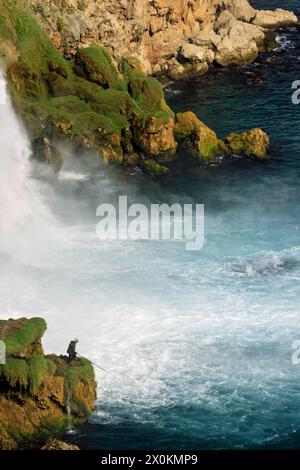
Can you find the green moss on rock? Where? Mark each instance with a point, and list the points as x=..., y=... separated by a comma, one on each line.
x=40, y=368
x=254, y=143
x=79, y=378
x=201, y=141
x=15, y=372
x=29, y=334
x=153, y=168
x=95, y=64
x=130, y=66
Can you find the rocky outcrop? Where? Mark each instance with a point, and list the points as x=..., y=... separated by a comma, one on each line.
x=274, y=19
x=204, y=146
x=253, y=143
x=40, y=396
x=201, y=141
x=178, y=38
x=117, y=112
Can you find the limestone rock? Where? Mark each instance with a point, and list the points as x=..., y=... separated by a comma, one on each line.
x=253, y=143
x=275, y=19
x=240, y=43
x=240, y=9
x=155, y=137
x=153, y=31
x=195, y=54
x=207, y=38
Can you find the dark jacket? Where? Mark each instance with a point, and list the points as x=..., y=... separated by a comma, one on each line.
x=72, y=349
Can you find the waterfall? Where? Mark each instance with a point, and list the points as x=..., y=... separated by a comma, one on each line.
x=24, y=219
x=70, y=428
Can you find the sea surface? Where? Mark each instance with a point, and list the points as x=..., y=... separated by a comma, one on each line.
x=200, y=343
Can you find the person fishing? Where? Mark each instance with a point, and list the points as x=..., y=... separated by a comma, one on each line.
x=71, y=351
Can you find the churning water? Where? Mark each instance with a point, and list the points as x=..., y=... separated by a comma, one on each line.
x=199, y=343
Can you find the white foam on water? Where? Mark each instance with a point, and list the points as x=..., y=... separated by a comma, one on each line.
x=284, y=43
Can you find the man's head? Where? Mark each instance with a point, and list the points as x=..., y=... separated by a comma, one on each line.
x=76, y=340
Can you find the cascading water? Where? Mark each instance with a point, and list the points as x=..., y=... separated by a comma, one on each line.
x=24, y=219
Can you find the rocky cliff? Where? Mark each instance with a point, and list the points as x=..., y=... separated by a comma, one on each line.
x=40, y=396
x=114, y=110
x=177, y=38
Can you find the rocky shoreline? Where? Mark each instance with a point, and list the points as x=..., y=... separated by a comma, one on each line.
x=117, y=112
x=174, y=38
x=41, y=396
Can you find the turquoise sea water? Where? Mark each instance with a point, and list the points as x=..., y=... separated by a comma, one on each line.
x=200, y=343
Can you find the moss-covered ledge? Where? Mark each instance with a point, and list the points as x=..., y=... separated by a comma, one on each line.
x=40, y=396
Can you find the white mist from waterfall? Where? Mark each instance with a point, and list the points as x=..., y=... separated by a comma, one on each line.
x=24, y=221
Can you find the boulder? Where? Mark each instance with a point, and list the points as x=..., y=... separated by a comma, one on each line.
x=240, y=44
x=195, y=54
x=274, y=19
x=155, y=136
x=202, y=142
x=207, y=38
x=240, y=9
x=153, y=168
x=252, y=143
x=223, y=22
x=176, y=71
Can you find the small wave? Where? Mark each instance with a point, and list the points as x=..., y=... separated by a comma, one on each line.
x=172, y=91
x=267, y=263
x=284, y=43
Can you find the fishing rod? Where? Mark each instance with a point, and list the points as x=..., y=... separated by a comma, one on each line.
x=99, y=367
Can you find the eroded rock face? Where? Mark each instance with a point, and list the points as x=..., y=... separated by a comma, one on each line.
x=159, y=32
x=40, y=387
